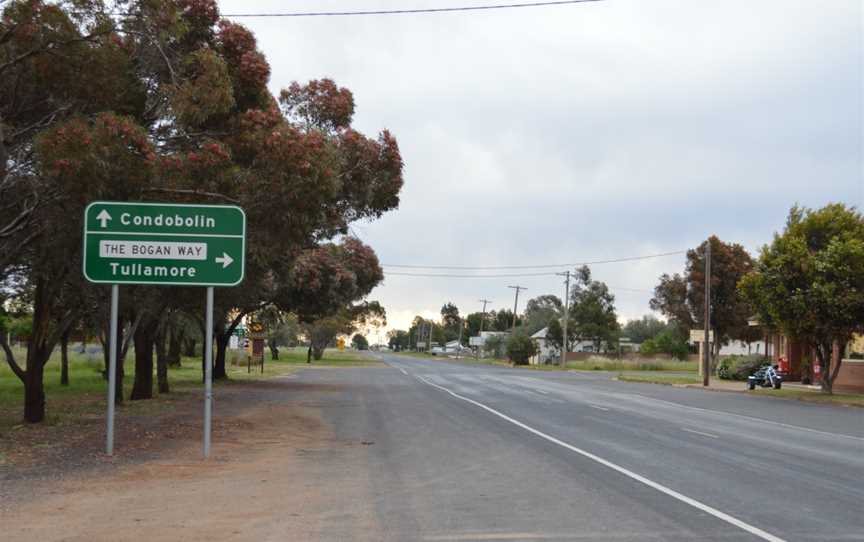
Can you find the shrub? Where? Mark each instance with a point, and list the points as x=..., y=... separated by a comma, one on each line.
x=520, y=348
x=739, y=367
x=666, y=342
x=494, y=345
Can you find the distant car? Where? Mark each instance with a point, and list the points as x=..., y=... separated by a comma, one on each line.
x=766, y=377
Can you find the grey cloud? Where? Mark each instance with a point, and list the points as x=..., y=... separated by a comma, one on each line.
x=612, y=129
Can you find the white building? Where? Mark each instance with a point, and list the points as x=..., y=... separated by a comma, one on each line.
x=547, y=353
x=741, y=348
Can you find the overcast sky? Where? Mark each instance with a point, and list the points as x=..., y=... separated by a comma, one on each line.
x=585, y=132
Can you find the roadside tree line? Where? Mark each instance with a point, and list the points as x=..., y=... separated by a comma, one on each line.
x=167, y=101
x=807, y=283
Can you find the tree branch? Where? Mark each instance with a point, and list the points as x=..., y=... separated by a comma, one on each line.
x=192, y=193
x=49, y=45
x=10, y=357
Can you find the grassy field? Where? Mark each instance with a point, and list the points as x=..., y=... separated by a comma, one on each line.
x=660, y=378
x=86, y=393
x=846, y=399
x=593, y=364
x=602, y=364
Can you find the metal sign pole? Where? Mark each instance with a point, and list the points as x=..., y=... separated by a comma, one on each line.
x=112, y=368
x=208, y=373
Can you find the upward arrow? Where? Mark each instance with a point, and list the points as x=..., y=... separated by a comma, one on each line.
x=103, y=217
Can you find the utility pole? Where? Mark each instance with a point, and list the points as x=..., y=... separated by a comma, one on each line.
x=482, y=319
x=566, y=315
x=461, y=326
x=706, y=362
x=516, y=303
x=429, y=342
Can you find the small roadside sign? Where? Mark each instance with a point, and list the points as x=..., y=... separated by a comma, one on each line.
x=698, y=335
x=163, y=243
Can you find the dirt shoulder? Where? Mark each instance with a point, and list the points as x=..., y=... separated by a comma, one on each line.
x=272, y=456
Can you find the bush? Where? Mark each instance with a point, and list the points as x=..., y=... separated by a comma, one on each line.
x=494, y=345
x=666, y=342
x=520, y=348
x=359, y=342
x=739, y=367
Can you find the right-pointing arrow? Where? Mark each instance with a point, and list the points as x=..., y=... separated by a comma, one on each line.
x=225, y=260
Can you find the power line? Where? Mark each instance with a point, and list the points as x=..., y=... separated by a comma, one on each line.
x=459, y=276
x=410, y=11
x=542, y=266
x=501, y=276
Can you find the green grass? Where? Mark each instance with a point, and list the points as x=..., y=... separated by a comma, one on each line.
x=594, y=364
x=332, y=358
x=659, y=378
x=847, y=399
x=86, y=393
x=601, y=364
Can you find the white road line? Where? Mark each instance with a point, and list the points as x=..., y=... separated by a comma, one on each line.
x=598, y=407
x=751, y=418
x=404, y=372
x=709, y=435
x=755, y=531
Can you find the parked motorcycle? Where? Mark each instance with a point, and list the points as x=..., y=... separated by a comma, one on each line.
x=766, y=377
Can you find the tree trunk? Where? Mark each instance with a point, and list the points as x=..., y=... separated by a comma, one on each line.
x=64, y=359
x=318, y=352
x=103, y=340
x=189, y=347
x=42, y=342
x=837, y=352
x=142, y=387
x=274, y=349
x=34, y=394
x=162, y=362
x=824, y=360
x=175, y=345
x=222, y=341
x=309, y=354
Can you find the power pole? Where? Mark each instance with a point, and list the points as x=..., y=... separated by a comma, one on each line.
x=706, y=362
x=516, y=303
x=566, y=315
x=482, y=319
x=461, y=326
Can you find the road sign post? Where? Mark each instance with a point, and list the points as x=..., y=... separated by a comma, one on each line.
x=163, y=244
x=112, y=368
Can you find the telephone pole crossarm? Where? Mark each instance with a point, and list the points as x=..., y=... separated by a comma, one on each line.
x=516, y=303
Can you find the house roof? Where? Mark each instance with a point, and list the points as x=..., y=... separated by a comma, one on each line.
x=541, y=334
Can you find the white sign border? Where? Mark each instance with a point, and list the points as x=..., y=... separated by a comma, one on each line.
x=156, y=204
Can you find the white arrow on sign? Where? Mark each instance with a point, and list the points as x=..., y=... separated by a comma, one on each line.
x=103, y=217
x=225, y=260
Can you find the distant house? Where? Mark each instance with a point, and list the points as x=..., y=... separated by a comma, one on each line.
x=742, y=348
x=547, y=353
x=484, y=335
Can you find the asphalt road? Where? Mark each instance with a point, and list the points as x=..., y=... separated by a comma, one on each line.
x=472, y=452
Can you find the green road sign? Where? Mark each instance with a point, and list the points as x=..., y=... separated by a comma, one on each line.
x=163, y=243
